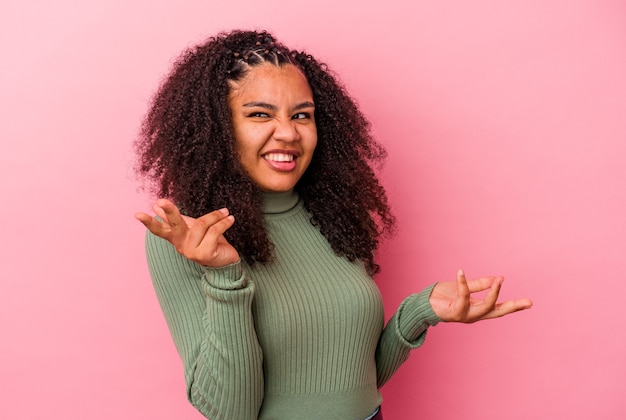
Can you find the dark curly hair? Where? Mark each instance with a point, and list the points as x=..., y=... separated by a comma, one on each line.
x=187, y=152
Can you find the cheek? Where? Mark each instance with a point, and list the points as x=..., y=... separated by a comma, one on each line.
x=245, y=155
x=312, y=145
x=251, y=136
x=313, y=141
x=248, y=149
x=243, y=150
x=244, y=142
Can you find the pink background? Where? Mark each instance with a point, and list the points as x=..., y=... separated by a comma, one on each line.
x=506, y=129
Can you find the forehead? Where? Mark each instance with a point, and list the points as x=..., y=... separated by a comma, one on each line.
x=269, y=82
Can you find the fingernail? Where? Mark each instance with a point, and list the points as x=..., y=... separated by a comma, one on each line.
x=461, y=273
x=224, y=211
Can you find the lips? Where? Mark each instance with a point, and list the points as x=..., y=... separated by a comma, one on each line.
x=279, y=157
x=281, y=160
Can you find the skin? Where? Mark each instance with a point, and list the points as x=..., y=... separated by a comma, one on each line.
x=452, y=301
x=272, y=110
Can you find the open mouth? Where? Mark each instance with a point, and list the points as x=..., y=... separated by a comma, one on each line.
x=279, y=157
x=282, y=162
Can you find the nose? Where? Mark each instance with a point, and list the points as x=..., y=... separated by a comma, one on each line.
x=286, y=130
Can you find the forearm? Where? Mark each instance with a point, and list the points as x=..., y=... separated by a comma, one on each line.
x=209, y=315
x=405, y=331
x=227, y=381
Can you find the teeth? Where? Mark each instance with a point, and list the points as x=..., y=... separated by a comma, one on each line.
x=278, y=157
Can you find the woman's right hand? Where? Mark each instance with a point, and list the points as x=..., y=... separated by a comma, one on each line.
x=200, y=240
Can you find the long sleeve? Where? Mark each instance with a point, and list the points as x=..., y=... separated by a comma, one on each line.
x=405, y=331
x=296, y=336
x=209, y=314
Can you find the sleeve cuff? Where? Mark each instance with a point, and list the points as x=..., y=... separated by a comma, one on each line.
x=229, y=277
x=414, y=316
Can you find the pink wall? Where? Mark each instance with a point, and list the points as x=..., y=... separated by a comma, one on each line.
x=506, y=129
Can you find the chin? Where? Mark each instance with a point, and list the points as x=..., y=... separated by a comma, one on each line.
x=278, y=184
x=276, y=189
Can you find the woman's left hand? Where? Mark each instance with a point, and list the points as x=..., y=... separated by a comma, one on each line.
x=453, y=302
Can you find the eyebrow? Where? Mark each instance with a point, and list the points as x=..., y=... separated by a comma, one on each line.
x=271, y=107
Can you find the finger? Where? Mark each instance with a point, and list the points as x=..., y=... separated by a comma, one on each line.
x=159, y=212
x=217, y=230
x=188, y=220
x=143, y=217
x=204, y=228
x=509, y=307
x=480, y=284
x=492, y=296
x=153, y=225
x=462, y=301
x=461, y=285
x=480, y=309
x=171, y=214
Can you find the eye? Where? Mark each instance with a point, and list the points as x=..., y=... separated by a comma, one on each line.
x=301, y=116
x=258, y=115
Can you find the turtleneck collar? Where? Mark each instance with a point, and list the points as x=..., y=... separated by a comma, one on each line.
x=280, y=202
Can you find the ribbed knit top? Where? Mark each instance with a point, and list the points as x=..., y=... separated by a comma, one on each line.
x=301, y=337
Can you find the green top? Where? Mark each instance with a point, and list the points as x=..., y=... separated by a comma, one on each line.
x=301, y=337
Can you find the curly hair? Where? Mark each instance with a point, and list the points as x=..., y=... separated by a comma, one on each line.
x=187, y=151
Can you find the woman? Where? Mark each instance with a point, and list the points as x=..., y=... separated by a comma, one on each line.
x=264, y=265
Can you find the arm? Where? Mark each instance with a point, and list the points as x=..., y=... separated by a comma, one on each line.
x=208, y=311
x=449, y=302
x=405, y=331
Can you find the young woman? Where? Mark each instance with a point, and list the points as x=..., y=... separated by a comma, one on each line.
x=264, y=264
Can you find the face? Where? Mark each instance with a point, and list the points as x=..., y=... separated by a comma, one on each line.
x=272, y=110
